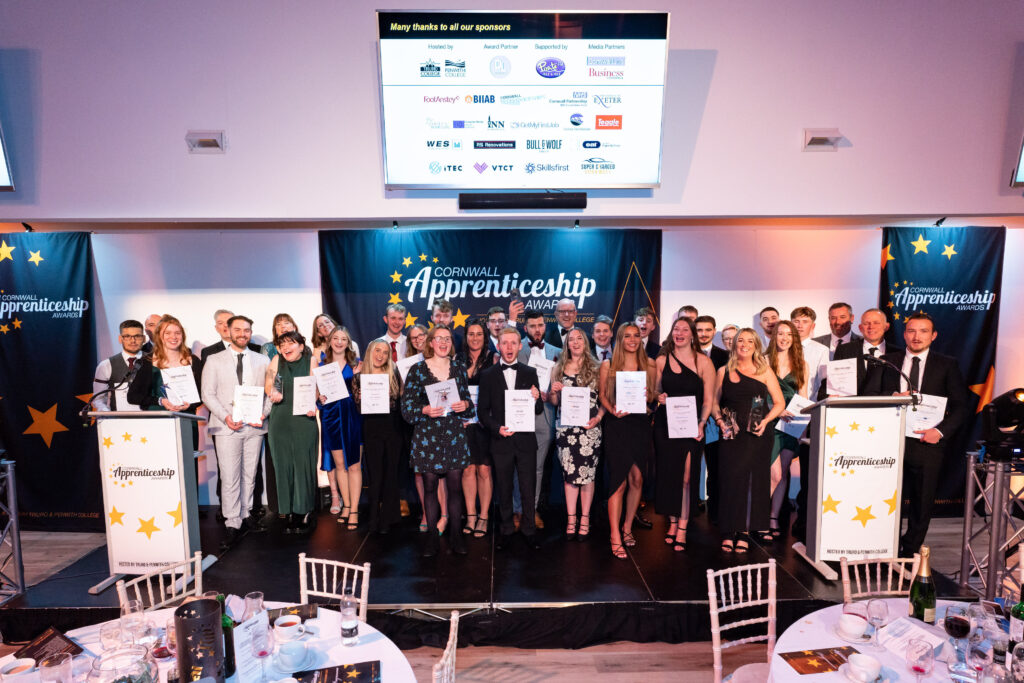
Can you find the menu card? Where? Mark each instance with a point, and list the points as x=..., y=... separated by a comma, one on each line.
x=897, y=634
x=363, y=672
x=49, y=642
x=818, y=661
x=247, y=667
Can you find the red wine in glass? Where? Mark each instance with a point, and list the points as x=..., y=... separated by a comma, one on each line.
x=957, y=626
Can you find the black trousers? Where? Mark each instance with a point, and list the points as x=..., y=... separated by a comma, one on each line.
x=510, y=462
x=922, y=464
x=382, y=448
x=800, y=525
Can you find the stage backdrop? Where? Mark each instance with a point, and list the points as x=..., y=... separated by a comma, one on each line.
x=611, y=272
x=47, y=358
x=955, y=276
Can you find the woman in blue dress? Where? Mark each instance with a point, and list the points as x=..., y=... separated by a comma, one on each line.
x=342, y=428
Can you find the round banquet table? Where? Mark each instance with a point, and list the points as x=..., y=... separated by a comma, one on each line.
x=326, y=645
x=817, y=630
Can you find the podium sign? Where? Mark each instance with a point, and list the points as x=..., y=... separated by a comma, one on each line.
x=148, y=489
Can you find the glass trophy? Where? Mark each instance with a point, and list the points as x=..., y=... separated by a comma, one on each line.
x=756, y=413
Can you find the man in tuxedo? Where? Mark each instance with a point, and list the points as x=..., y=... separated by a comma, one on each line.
x=728, y=334
x=565, y=320
x=873, y=325
x=151, y=324
x=931, y=373
x=545, y=420
x=238, y=444
x=644, y=319
x=441, y=314
x=512, y=452
x=840, y=320
x=394, y=318
x=768, y=318
x=220, y=323
x=603, y=338
x=705, y=326
x=496, y=322
x=816, y=358
x=112, y=372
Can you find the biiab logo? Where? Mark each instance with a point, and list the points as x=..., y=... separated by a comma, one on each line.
x=551, y=67
x=479, y=99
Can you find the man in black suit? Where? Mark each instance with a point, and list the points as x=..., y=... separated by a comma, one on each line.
x=840, y=321
x=220, y=323
x=151, y=323
x=603, y=338
x=565, y=320
x=705, y=326
x=873, y=325
x=511, y=451
x=937, y=375
x=644, y=319
x=496, y=322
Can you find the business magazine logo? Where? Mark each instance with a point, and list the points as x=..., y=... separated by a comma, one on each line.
x=532, y=168
x=604, y=60
x=455, y=68
x=597, y=166
x=479, y=99
x=608, y=122
x=607, y=101
x=430, y=69
x=500, y=66
x=551, y=67
x=494, y=144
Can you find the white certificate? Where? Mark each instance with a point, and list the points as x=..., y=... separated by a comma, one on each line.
x=631, y=392
x=926, y=414
x=248, y=404
x=303, y=395
x=519, y=415
x=575, y=405
x=543, y=367
x=406, y=363
x=681, y=412
x=474, y=393
x=841, y=377
x=180, y=385
x=798, y=424
x=374, y=394
x=331, y=382
x=443, y=395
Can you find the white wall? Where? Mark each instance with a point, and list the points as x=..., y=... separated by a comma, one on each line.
x=96, y=98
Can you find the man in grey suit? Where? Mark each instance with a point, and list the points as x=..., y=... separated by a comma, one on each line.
x=537, y=346
x=238, y=444
x=840, y=320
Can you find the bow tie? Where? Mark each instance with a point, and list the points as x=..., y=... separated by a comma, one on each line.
x=506, y=366
x=537, y=344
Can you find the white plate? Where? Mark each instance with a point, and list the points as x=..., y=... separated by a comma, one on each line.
x=307, y=664
x=882, y=676
x=850, y=639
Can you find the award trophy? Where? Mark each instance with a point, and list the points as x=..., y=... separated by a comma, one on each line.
x=756, y=413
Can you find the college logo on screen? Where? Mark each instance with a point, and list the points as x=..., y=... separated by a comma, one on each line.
x=429, y=69
x=455, y=68
x=607, y=101
x=551, y=67
x=608, y=122
x=500, y=66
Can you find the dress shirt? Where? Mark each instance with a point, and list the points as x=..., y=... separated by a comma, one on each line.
x=103, y=371
x=908, y=361
x=494, y=341
x=400, y=343
x=562, y=331
x=835, y=341
x=816, y=355
x=880, y=348
x=706, y=350
x=599, y=351
x=509, y=371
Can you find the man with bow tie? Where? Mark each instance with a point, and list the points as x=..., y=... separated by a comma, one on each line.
x=565, y=320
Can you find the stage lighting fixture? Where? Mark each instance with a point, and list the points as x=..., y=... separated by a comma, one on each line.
x=822, y=139
x=1003, y=426
x=205, y=142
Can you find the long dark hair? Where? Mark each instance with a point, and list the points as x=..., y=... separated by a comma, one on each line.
x=484, y=359
x=669, y=347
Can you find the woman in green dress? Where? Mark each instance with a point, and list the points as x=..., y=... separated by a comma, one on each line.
x=293, y=438
x=786, y=357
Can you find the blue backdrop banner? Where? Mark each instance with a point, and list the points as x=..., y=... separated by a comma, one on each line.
x=954, y=275
x=47, y=357
x=610, y=272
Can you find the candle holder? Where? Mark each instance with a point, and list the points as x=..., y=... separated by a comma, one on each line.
x=200, y=641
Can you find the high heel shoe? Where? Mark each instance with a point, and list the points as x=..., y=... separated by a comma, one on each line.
x=679, y=545
x=670, y=535
x=442, y=524
x=570, y=528
x=353, y=521
x=584, y=531
x=470, y=524
x=335, y=505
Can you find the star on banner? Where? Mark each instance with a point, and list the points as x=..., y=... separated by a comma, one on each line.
x=830, y=505
x=176, y=514
x=108, y=442
x=863, y=515
x=921, y=244
x=891, y=502
x=871, y=430
x=35, y=258
x=394, y=299
x=44, y=423
x=16, y=323
x=407, y=261
x=985, y=389
x=949, y=252
x=410, y=319
x=396, y=276
x=854, y=427
x=5, y=329
x=831, y=431
x=5, y=251
x=146, y=526
x=435, y=259
x=143, y=440
x=115, y=516
x=886, y=256
x=423, y=257
x=126, y=436
x=459, y=319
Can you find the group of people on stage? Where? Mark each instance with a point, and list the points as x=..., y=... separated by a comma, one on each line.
x=446, y=417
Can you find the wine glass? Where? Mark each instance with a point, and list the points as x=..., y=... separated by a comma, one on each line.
x=56, y=669
x=979, y=658
x=920, y=657
x=262, y=646
x=1015, y=663
x=878, y=612
x=957, y=626
x=168, y=648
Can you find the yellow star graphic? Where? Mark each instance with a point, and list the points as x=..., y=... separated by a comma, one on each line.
x=831, y=431
x=126, y=436
x=423, y=257
x=5, y=251
x=395, y=299
x=410, y=319
x=435, y=259
x=143, y=440
x=115, y=516
x=352, y=674
x=896, y=316
x=460, y=319
x=16, y=323
x=891, y=292
x=871, y=430
x=108, y=442
x=34, y=258
x=949, y=252
x=890, y=304
x=854, y=427
x=984, y=390
x=886, y=256
x=146, y=526
x=176, y=514
x=813, y=662
x=4, y=329
x=830, y=505
x=396, y=276
x=407, y=261
x=891, y=502
x=45, y=423
x=863, y=515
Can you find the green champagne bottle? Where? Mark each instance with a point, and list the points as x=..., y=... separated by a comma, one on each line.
x=922, y=590
x=1016, y=623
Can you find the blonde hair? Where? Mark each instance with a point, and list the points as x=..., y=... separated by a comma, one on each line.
x=760, y=362
x=159, y=352
x=618, y=360
x=350, y=352
x=588, y=371
x=388, y=369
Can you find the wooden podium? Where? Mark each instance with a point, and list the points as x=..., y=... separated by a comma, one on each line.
x=149, y=490
x=855, y=480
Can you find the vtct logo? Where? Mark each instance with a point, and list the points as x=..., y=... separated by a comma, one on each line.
x=610, y=122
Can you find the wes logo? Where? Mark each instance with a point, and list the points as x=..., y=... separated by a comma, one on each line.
x=608, y=122
x=444, y=144
x=479, y=99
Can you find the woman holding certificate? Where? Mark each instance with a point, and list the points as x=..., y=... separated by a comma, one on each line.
x=686, y=388
x=377, y=389
x=416, y=339
x=626, y=388
x=169, y=378
x=578, y=434
x=741, y=411
x=293, y=433
x=476, y=478
x=436, y=401
x=786, y=357
x=323, y=325
x=341, y=424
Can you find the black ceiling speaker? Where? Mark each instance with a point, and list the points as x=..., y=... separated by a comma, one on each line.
x=523, y=200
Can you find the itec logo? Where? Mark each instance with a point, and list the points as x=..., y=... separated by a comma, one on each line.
x=479, y=99
x=436, y=167
x=551, y=67
x=613, y=122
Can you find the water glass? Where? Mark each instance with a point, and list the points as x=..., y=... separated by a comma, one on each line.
x=958, y=627
x=114, y=636
x=979, y=658
x=253, y=605
x=920, y=657
x=878, y=612
x=56, y=669
x=1016, y=663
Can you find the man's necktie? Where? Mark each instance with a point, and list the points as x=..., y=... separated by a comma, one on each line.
x=238, y=368
x=873, y=351
x=604, y=354
x=915, y=374
x=131, y=364
x=394, y=351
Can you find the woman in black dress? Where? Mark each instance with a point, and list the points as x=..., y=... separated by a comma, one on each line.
x=476, y=477
x=626, y=436
x=743, y=386
x=680, y=370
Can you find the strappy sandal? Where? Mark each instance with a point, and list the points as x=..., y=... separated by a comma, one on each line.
x=742, y=545
x=670, y=535
x=679, y=545
x=584, y=531
x=765, y=536
x=628, y=539
x=353, y=525
x=727, y=546
x=773, y=527
x=345, y=512
x=481, y=527
x=335, y=505
x=570, y=528
x=442, y=524
x=470, y=524
x=618, y=552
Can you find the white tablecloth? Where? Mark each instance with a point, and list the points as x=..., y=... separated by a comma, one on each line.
x=817, y=630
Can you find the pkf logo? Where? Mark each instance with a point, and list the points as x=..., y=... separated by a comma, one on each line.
x=500, y=66
x=608, y=122
x=551, y=67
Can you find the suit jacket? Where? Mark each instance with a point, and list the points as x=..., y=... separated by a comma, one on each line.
x=218, y=390
x=869, y=377
x=653, y=347
x=941, y=377
x=553, y=336
x=719, y=356
x=491, y=408
x=826, y=340
x=546, y=418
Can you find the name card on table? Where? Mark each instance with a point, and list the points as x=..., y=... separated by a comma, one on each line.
x=49, y=642
x=362, y=672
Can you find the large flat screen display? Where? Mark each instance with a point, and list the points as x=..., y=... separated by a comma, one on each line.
x=6, y=183
x=1018, y=173
x=510, y=100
